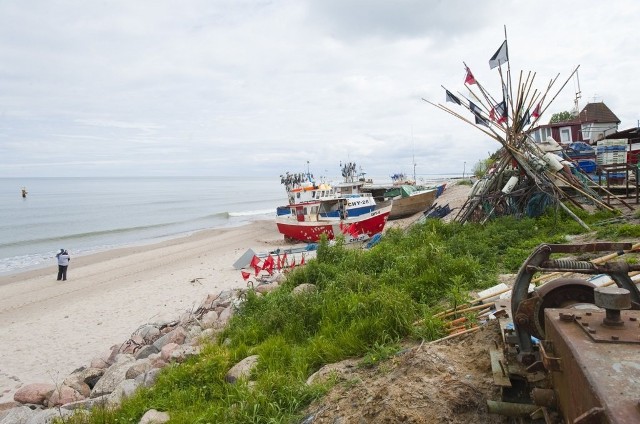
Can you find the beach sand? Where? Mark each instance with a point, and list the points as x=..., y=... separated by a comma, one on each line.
x=49, y=328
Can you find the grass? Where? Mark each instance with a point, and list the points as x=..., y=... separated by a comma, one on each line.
x=365, y=305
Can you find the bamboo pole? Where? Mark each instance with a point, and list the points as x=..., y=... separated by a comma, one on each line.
x=471, y=330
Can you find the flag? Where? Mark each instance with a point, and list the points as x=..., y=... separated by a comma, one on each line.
x=268, y=264
x=245, y=275
x=499, y=57
x=499, y=112
x=481, y=121
x=469, y=78
x=279, y=262
x=451, y=98
x=536, y=111
x=526, y=119
x=254, y=261
x=474, y=108
x=302, y=259
x=258, y=269
x=284, y=260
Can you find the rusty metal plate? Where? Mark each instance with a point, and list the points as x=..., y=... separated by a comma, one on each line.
x=591, y=323
x=595, y=376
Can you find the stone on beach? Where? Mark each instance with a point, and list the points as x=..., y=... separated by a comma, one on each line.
x=305, y=288
x=167, y=350
x=146, y=351
x=177, y=336
x=62, y=395
x=113, y=376
x=18, y=415
x=148, y=379
x=139, y=367
x=36, y=393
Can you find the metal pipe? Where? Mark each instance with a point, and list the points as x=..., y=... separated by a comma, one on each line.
x=509, y=409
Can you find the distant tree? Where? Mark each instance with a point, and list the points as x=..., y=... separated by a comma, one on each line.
x=561, y=117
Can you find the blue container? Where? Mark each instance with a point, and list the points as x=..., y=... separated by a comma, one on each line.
x=586, y=165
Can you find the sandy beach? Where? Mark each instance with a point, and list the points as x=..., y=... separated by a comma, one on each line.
x=49, y=328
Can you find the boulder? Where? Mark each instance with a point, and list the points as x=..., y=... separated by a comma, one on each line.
x=242, y=369
x=183, y=352
x=209, y=319
x=62, y=395
x=139, y=367
x=305, y=288
x=146, y=351
x=148, y=379
x=167, y=350
x=86, y=404
x=90, y=376
x=224, y=317
x=178, y=336
x=149, y=333
x=208, y=334
x=194, y=332
x=339, y=369
x=132, y=345
x=154, y=417
x=36, y=393
x=47, y=416
x=266, y=288
x=18, y=415
x=124, y=390
x=77, y=383
x=113, y=376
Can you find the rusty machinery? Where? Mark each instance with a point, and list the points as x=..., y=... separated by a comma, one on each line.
x=572, y=353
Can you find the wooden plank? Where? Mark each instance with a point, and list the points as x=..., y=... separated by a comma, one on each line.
x=499, y=368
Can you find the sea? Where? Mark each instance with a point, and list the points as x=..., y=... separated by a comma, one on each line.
x=88, y=215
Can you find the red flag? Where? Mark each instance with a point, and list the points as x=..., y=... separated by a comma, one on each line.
x=536, y=111
x=302, y=260
x=293, y=262
x=258, y=269
x=284, y=260
x=469, y=79
x=245, y=275
x=279, y=262
x=492, y=114
x=254, y=261
x=267, y=265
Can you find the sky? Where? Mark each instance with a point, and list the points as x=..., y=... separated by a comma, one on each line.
x=258, y=88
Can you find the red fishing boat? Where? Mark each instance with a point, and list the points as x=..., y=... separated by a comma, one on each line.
x=307, y=222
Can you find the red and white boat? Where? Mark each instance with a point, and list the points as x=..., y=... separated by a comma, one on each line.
x=308, y=221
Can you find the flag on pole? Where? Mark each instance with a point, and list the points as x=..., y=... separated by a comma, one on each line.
x=481, y=121
x=499, y=57
x=474, y=108
x=268, y=264
x=536, y=111
x=469, y=78
x=499, y=113
x=451, y=98
x=302, y=259
x=526, y=119
x=245, y=275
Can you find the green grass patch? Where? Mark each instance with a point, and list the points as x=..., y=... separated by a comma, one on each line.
x=367, y=303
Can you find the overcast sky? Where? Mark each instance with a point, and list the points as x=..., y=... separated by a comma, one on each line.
x=239, y=87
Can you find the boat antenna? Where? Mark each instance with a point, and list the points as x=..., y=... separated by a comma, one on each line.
x=413, y=153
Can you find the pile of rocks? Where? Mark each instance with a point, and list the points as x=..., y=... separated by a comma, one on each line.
x=120, y=371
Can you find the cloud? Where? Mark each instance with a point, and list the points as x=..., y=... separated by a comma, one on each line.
x=260, y=87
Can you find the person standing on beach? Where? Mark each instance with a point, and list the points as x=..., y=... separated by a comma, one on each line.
x=63, y=263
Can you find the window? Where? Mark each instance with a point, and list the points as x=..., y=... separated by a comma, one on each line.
x=565, y=135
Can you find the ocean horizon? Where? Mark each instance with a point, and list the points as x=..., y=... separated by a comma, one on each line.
x=86, y=215
x=91, y=214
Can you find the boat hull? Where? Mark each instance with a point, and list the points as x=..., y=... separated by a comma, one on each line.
x=406, y=206
x=310, y=231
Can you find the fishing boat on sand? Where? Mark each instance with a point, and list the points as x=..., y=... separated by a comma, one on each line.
x=409, y=200
x=307, y=222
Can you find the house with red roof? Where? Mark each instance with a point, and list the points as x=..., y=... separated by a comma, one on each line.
x=593, y=123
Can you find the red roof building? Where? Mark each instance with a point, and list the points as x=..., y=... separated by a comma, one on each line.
x=593, y=123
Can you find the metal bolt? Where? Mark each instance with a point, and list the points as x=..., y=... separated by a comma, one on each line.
x=566, y=317
x=615, y=338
